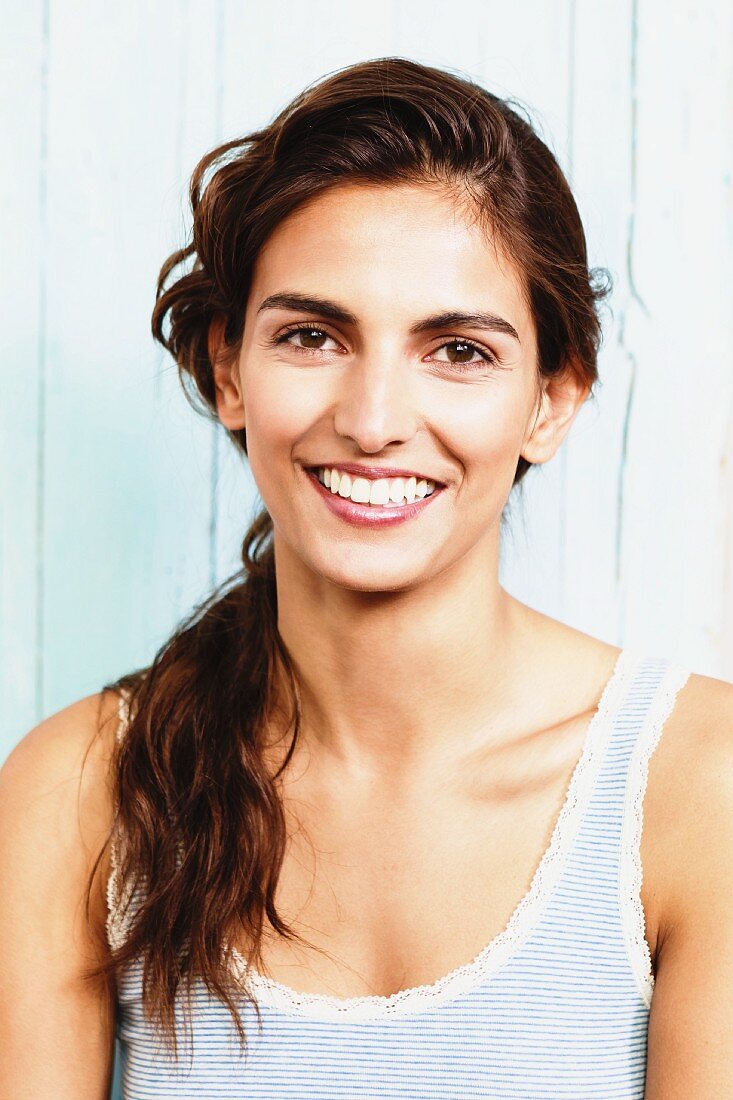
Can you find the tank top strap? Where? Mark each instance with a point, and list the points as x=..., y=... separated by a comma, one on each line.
x=120, y=898
x=123, y=714
x=636, y=723
x=606, y=856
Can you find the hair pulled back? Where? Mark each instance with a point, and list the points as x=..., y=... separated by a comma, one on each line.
x=202, y=822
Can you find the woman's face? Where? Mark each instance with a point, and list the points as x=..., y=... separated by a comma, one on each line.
x=383, y=330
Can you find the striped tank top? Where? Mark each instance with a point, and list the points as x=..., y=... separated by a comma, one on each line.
x=555, y=1006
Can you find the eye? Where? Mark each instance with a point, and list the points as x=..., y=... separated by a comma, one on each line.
x=311, y=338
x=464, y=352
x=464, y=355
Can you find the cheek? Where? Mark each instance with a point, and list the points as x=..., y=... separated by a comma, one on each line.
x=276, y=417
x=485, y=433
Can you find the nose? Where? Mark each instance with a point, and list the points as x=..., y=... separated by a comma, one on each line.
x=376, y=404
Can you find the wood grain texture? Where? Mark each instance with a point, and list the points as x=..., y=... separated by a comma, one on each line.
x=121, y=508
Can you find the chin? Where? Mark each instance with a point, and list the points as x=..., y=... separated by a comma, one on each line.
x=387, y=577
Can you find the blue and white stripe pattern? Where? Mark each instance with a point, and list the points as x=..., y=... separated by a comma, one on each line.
x=556, y=1006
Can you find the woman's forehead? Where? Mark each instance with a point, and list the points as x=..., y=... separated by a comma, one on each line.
x=399, y=243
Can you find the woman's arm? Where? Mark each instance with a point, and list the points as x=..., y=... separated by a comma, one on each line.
x=56, y=1031
x=690, y=1051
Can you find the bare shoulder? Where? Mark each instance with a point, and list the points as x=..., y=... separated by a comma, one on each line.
x=693, y=765
x=56, y=1026
x=690, y=784
x=56, y=784
x=61, y=747
x=690, y=848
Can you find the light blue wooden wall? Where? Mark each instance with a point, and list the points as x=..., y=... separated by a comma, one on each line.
x=121, y=508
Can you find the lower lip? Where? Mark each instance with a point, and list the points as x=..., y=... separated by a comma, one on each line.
x=370, y=515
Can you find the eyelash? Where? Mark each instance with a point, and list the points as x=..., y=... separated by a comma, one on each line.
x=487, y=356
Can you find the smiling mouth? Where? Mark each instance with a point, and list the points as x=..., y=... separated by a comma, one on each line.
x=378, y=492
x=376, y=516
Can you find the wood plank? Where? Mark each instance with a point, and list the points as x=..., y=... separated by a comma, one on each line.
x=23, y=361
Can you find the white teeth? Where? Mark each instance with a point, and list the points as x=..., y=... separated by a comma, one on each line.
x=360, y=491
x=397, y=489
x=382, y=491
x=379, y=492
x=345, y=485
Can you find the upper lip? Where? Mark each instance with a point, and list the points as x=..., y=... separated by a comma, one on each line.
x=372, y=471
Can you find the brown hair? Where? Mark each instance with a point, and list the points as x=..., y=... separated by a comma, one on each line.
x=190, y=775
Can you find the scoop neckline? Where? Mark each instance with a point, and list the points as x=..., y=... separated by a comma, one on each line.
x=460, y=980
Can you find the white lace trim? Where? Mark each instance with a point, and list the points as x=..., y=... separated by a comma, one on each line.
x=118, y=897
x=464, y=978
x=630, y=869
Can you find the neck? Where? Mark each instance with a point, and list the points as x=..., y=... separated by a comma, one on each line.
x=403, y=682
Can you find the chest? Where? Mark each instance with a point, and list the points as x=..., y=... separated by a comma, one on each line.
x=392, y=893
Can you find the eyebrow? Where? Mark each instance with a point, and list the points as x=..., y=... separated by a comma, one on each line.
x=491, y=322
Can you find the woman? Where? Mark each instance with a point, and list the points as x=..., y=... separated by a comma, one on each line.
x=367, y=825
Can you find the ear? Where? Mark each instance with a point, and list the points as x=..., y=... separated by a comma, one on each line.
x=561, y=399
x=225, y=366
